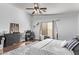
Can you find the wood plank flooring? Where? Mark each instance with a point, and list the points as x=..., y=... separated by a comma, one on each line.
x=14, y=46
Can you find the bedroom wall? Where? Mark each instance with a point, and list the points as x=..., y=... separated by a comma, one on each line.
x=67, y=24
x=78, y=26
x=10, y=14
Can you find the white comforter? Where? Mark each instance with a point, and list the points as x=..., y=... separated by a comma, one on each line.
x=45, y=47
x=53, y=46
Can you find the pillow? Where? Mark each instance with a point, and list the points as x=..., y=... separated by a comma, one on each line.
x=71, y=44
x=76, y=50
x=63, y=43
x=76, y=37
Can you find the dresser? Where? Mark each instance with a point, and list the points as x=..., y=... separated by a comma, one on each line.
x=11, y=39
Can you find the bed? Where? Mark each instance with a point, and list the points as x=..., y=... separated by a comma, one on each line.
x=45, y=47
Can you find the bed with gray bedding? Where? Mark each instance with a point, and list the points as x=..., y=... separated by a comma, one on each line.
x=45, y=47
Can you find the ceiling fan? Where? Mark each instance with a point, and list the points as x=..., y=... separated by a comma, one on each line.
x=36, y=9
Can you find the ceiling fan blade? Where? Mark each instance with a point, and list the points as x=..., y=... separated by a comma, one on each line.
x=30, y=8
x=33, y=12
x=43, y=8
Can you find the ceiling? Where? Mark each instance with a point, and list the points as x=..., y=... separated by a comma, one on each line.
x=52, y=8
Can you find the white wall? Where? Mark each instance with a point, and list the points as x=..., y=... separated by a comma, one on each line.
x=10, y=14
x=78, y=26
x=67, y=24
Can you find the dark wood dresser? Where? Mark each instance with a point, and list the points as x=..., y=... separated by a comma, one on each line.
x=10, y=39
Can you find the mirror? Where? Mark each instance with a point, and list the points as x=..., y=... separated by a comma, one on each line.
x=14, y=27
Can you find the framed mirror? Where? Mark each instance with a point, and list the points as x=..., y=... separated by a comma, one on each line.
x=14, y=27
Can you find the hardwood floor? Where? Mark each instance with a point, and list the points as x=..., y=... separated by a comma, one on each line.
x=14, y=46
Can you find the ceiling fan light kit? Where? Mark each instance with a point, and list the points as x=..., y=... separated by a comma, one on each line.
x=36, y=9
